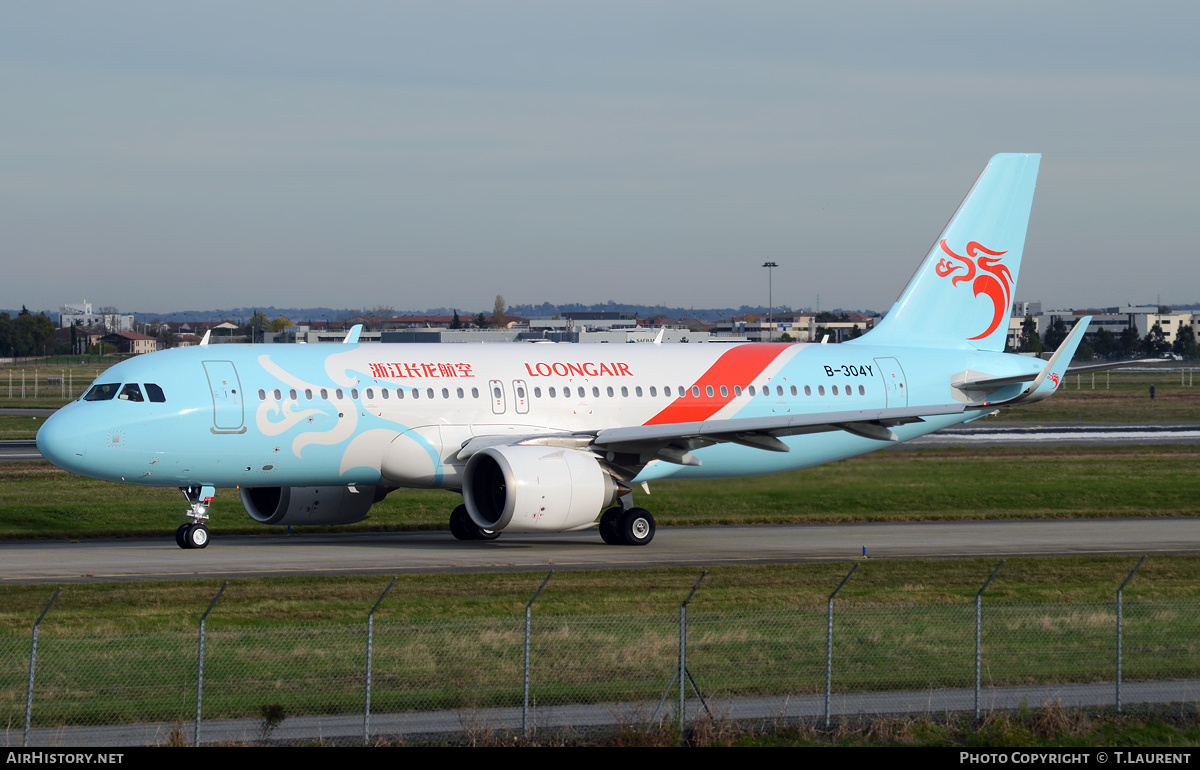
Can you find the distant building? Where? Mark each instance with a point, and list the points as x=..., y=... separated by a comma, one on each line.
x=800, y=327
x=130, y=342
x=82, y=315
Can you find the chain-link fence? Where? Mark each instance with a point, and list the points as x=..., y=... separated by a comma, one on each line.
x=439, y=676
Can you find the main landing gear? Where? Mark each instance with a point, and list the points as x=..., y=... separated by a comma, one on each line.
x=627, y=526
x=194, y=534
x=463, y=528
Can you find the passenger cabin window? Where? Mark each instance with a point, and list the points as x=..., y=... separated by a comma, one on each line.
x=156, y=395
x=262, y=395
x=131, y=392
x=278, y=395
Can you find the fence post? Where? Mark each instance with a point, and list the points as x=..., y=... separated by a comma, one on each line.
x=370, y=638
x=525, y=700
x=829, y=642
x=978, y=627
x=200, y=664
x=1120, y=610
x=32, y=666
x=683, y=672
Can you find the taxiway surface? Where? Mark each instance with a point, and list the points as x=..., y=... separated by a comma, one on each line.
x=409, y=552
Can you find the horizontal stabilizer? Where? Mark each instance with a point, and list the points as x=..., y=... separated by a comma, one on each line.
x=1048, y=379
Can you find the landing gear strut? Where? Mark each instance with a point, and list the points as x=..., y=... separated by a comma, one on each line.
x=194, y=534
x=633, y=526
x=463, y=528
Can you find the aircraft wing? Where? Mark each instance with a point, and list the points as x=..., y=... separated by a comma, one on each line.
x=673, y=442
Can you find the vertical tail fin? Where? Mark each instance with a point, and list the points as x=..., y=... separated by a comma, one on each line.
x=962, y=293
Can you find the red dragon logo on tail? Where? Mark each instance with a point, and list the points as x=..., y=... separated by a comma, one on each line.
x=990, y=278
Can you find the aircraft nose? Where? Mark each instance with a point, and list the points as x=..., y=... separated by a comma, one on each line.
x=61, y=440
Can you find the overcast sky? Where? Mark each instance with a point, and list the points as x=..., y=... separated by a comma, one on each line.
x=166, y=156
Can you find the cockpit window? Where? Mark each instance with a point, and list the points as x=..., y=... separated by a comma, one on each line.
x=131, y=392
x=155, y=393
x=104, y=392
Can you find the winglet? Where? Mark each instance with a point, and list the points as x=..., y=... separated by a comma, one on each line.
x=352, y=335
x=206, y=336
x=658, y=338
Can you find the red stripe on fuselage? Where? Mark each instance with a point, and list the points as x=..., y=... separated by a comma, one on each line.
x=736, y=366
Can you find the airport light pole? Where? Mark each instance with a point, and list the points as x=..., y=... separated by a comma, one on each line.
x=770, y=302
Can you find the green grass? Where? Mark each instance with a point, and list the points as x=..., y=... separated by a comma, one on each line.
x=90, y=609
x=16, y=427
x=119, y=652
x=39, y=500
x=1125, y=399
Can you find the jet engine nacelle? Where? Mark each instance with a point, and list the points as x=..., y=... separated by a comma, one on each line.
x=536, y=489
x=321, y=506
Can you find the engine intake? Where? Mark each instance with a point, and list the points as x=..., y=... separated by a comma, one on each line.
x=536, y=489
x=320, y=506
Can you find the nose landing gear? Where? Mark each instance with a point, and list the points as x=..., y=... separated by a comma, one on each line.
x=194, y=534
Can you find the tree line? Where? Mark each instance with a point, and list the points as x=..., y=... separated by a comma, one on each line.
x=28, y=334
x=1108, y=346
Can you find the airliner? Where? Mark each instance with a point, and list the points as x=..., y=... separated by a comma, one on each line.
x=557, y=437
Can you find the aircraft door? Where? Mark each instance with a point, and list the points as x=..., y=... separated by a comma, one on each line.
x=894, y=385
x=226, y=389
x=496, y=392
x=521, y=397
